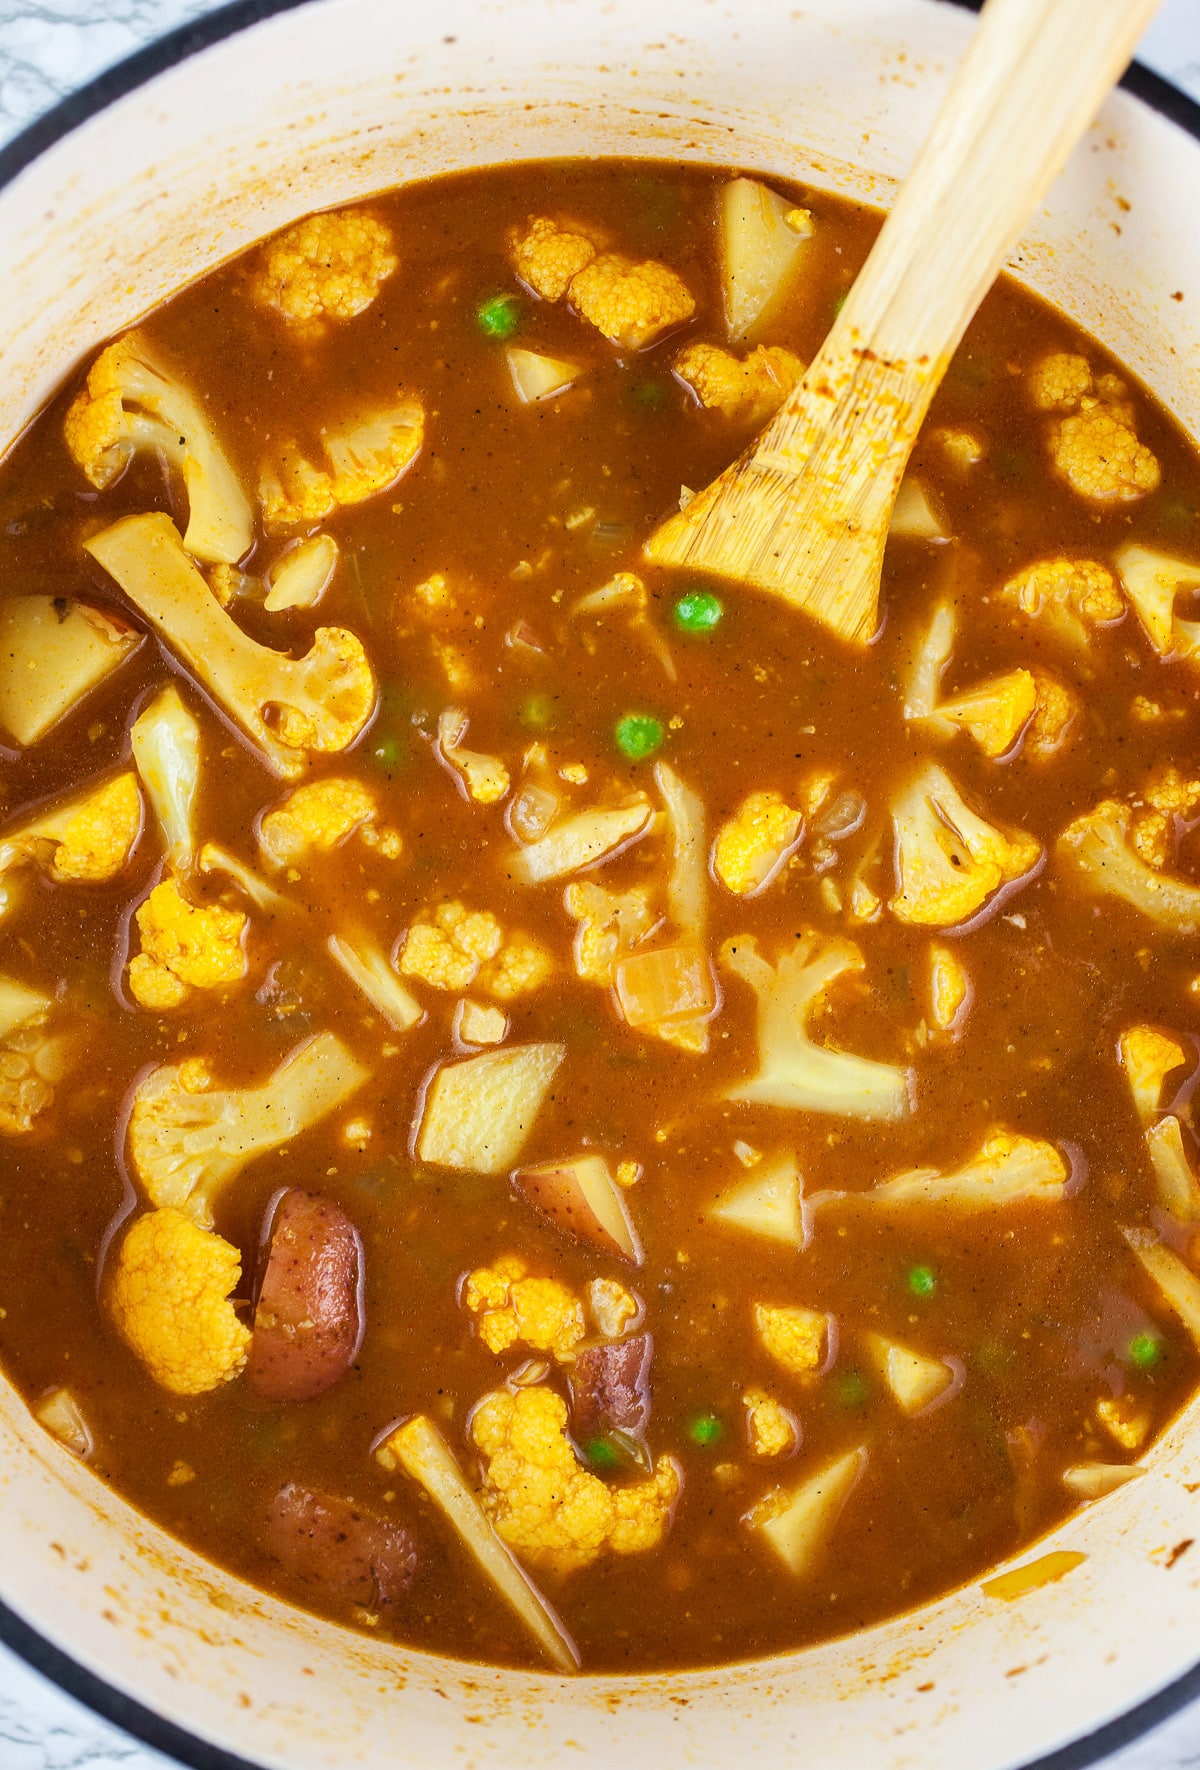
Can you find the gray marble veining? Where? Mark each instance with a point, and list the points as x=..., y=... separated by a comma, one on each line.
x=47, y=50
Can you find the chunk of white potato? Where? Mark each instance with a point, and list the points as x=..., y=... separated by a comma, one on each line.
x=418, y=1448
x=797, y=1523
x=1178, y=1192
x=54, y=651
x=767, y=1203
x=764, y=238
x=583, y=840
x=913, y=517
x=915, y=1380
x=19, y=1004
x=478, y=1113
x=1091, y=1481
x=480, y=1023
x=536, y=377
x=62, y=1416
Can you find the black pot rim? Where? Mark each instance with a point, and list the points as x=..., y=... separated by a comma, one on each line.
x=93, y=1692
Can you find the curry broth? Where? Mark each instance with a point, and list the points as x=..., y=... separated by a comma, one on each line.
x=1036, y=1305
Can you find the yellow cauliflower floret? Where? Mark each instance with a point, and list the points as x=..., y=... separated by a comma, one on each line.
x=753, y=842
x=327, y=267
x=522, y=965
x=169, y=1301
x=1093, y=444
x=1166, y=796
x=547, y=256
x=610, y=922
x=512, y=1309
x=544, y=1503
x=949, y=987
x=949, y=860
x=614, y=1309
x=995, y=712
x=630, y=303
x=1148, y=1057
x=88, y=839
x=770, y=1427
x=1058, y=382
x=315, y=818
x=32, y=1062
x=1071, y=597
x=365, y=457
x=795, y=1337
x=185, y=946
x=446, y=949
x=1053, y=717
x=961, y=447
x=1124, y=1420
x=751, y=389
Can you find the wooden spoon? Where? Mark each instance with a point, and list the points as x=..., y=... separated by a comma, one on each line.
x=804, y=512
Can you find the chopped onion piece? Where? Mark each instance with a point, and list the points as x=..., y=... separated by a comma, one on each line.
x=1177, y=1284
x=61, y=1415
x=302, y=574
x=419, y=1449
x=367, y=967
x=213, y=858
x=1091, y=1481
x=672, y=983
x=1178, y=1192
x=583, y=840
x=687, y=887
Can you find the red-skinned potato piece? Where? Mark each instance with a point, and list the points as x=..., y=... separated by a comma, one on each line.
x=336, y=1551
x=610, y=1387
x=308, y=1320
x=581, y=1197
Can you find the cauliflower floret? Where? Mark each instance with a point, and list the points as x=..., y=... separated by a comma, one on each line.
x=364, y=457
x=949, y=860
x=949, y=988
x=794, y=1337
x=754, y=843
x=184, y=947
x=751, y=389
x=86, y=839
x=544, y=1503
x=1153, y=581
x=1148, y=1057
x=132, y=403
x=485, y=778
x=453, y=947
x=314, y=819
x=169, y=1301
x=327, y=267
x=521, y=966
x=1070, y=597
x=614, y=1309
x=1167, y=797
x=547, y=257
x=962, y=448
x=512, y=1309
x=1098, y=846
x=994, y=713
x=1123, y=1420
x=1054, y=717
x=610, y=924
x=1093, y=444
x=770, y=1427
x=630, y=303
x=32, y=1058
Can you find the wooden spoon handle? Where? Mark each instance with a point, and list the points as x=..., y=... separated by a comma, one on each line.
x=1032, y=80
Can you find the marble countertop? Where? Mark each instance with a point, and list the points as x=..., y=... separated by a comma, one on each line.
x=47, y=49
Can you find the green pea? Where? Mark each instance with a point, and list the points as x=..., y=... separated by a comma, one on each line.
x=389, y=751
x=499, y=316
x=537, y=712
x=648, y=396
x=601, y=1453
x=1145, y=1350
x=921, y=1280
x=638, y=735
x=706, y=1430
x=698, y=611
x=853, y=1390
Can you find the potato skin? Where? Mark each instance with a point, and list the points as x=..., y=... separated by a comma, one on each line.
x=308, y=1322
x=336, y=1551
x=610, y=1387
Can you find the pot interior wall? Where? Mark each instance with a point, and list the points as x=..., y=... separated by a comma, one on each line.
x=186, y=171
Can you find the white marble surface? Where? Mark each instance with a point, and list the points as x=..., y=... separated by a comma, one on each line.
x=46, y=50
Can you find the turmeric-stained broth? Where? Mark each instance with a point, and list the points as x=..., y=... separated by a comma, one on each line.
x=964, y=1342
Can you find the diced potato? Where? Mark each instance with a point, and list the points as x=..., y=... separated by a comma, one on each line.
x=1178, y=1192
x=798, y=1523
x=582, y=841
x=764, y=239
x=53, y=651
x=478, y=1113
x=367, y=967
x=19, y=1004
x=582, y=1198
x=302, y=574
x=913, y=518
x=670, y=984
x=480, y=1023
x=62, y=1416
x=536, y=377
x=1178, y=1286
x=914, y=1380
x=419, y=1449
x=1091, y=1481
x=768, y=1203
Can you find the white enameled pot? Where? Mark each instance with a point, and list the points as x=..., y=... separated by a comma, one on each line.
x=185, y=156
